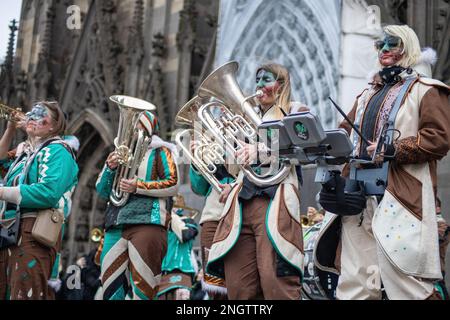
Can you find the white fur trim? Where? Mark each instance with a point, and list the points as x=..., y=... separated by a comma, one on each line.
x=210, y=288
x=72, y=142
x=177, y=225
x=157, y=142
x=427, y=59
x=55, y=284
x=428, y=56
x=425, y=63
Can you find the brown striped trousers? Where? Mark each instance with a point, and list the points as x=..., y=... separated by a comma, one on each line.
x=131, y=262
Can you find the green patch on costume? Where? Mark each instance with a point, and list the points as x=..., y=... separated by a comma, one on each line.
x=175, y=279
x=178, y=256
x=112, y=236
x=136, y=211
x=32, y=264
x=439, y=289
x=55, y=270
x=118, y=295
x=155, y=217
x=9, y=215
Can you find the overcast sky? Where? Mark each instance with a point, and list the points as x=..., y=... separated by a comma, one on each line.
x=9, y=9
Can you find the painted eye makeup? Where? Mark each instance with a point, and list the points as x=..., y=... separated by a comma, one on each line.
x=388, y=43
x=37, y=113
x=264, y=78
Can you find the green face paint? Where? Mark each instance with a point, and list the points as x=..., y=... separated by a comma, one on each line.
x=388, y=43
x=265, y=79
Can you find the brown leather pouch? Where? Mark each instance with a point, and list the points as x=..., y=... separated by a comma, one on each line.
x=47, y=227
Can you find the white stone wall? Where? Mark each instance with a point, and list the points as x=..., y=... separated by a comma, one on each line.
x=303, y=35
x=358, y=56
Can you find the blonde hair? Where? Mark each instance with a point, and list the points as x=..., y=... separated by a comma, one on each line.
x=410, y=43
x=283, y=99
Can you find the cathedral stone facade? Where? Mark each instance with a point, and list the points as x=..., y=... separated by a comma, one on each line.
x=160, y=50
x=155, y=50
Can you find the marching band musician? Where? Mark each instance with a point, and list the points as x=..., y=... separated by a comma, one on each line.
x=135, y=241
x=395, y=241
x=179, y=265
x=42, y=175
x=258, y=244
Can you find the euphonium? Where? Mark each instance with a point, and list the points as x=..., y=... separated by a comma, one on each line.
x=231, y=123
x=131, y=143
x=208, y=154
x=11, y=114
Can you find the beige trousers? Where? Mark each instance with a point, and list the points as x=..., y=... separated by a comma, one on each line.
x=364, y=267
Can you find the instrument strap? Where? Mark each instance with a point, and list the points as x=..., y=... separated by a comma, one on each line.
x=409, y=82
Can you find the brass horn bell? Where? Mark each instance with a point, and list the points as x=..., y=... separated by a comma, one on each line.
x=96, y=235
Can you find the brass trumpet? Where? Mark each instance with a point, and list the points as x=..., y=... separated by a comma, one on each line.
x=11, y=114
x=306, y=222
x=96, y=235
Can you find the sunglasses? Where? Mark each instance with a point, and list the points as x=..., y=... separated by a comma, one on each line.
x=389, y=43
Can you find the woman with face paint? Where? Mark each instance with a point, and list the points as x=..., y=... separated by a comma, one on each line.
x=258, y=243
x=394, y=242
x=42, y=174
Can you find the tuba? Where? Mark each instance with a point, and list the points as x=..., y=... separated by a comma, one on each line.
x=131, y=143
x=11, y=114
x=232, y=122
x=208, y=154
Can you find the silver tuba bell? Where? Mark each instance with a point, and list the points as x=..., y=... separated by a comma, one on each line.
x=131, y=143
x=231, y=123
x=208, y=154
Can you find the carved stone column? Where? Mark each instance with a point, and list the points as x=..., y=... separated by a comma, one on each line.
x=135, y=50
